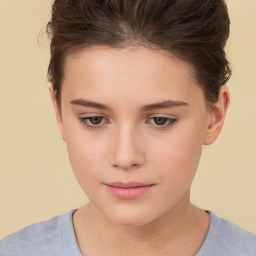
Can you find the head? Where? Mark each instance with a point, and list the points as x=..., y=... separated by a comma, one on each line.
x=138, y=88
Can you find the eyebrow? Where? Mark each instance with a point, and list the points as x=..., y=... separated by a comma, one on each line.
x=159, y=105
x=164, y=104
x=90, y=104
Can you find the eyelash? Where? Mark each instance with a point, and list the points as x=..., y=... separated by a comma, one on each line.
x=170, y=122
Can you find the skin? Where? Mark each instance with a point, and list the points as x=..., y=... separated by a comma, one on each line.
x=129, y=145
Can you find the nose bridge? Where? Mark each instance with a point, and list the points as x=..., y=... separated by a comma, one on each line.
x=127, y=151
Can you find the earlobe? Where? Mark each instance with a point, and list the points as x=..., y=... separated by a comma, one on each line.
x=218, y=113
x=57, y=111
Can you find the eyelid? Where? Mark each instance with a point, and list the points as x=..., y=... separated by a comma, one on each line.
x=163, y=115
x=170, y=122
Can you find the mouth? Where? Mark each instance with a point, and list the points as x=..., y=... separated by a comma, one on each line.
x=128, y=191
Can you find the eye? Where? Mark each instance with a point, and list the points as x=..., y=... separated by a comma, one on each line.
x=163, y=122
x=160, y=120
x=93, y=122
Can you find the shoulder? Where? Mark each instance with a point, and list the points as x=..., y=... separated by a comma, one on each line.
x=235, y=239
x=42, y=238
x=224, y=238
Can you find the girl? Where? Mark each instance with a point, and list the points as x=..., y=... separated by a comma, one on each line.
x=138, y=87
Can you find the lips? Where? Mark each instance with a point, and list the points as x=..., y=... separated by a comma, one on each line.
x=128, y=191
x=131, y=184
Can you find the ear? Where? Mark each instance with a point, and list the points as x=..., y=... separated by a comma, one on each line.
x=217, y=116
x=57, y=111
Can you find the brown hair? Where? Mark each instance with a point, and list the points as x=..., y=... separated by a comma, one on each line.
x=195, y=31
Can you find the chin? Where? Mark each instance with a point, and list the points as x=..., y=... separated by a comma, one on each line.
x=130, y=217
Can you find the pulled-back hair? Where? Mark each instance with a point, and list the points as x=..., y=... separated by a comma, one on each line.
x=195, y=31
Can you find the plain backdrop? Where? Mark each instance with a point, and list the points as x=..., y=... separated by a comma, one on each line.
x=36, y=180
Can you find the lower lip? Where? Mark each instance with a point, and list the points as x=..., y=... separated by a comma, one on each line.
x=129, y=193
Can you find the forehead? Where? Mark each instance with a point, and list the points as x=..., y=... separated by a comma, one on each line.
x=108, y=60
x=129, y=72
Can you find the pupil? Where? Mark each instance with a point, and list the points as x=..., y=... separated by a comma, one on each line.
x=160, y=120
x=95, y=120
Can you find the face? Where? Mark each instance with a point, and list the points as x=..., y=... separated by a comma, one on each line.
x=132, y=115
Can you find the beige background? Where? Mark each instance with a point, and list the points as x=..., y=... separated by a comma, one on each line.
x=36, y=180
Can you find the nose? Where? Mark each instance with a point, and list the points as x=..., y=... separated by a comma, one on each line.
x=127, y=149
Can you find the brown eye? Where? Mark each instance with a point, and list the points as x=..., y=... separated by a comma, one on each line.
x=163, y=122
x=95, y=120
x=160, y=120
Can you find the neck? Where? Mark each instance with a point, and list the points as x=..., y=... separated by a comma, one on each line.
x=168, y=233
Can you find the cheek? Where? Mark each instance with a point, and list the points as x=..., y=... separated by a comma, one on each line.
x=85, y=154
x=177, y=157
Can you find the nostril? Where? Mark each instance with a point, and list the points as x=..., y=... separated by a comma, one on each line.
x=126, y=166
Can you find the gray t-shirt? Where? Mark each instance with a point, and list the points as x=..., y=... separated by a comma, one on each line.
x=56, y=237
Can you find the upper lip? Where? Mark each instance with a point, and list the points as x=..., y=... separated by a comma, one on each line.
x=131, y=184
